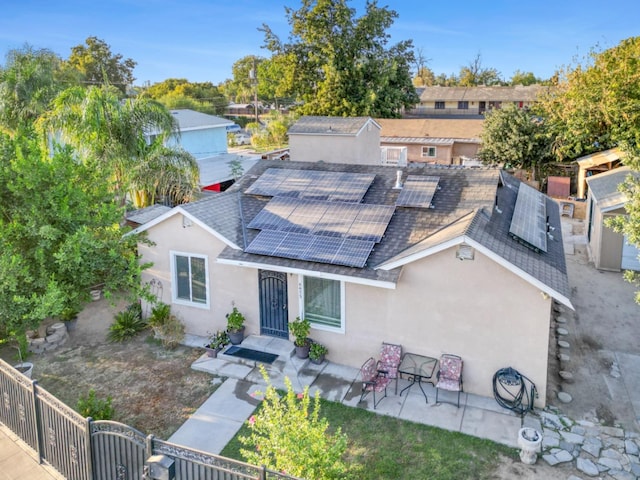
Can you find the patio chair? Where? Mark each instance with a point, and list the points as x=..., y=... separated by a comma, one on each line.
x=390, y=357
x=373, y=381
x=449, y=376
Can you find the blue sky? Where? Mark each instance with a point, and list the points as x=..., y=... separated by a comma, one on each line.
x=201, y=39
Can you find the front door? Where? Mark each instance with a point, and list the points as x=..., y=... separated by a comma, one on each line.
x=273, y=303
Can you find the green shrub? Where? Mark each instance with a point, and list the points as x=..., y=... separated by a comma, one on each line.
x=170, y=332
x=159, y=314
x=96, y=408
x=127, y=324
x=288, y=435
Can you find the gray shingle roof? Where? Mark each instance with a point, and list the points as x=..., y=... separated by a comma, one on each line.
x=147, y=214
x=503, y=94
x=604, y=187
x=310, y=125
x=220, y=213
x=464, y=204
x=190, y=120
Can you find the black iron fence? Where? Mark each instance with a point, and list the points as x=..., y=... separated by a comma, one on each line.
x=82, y=449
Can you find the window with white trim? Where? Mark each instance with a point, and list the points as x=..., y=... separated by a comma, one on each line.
x=429, y=151
x=439, y=105
x=323, y=303
x=190, y=279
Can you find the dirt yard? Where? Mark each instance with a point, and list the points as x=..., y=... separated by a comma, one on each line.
x=153, y=390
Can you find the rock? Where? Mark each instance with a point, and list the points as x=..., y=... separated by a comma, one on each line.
x=563, y=357
x=563, y=344
x=630, y=447
x=531, y=421
x=610, y=463
x=55, y=337
x=547, y=432
x=578, y=430
x=586, y=423
x=566, y=376
x=635, y=469
x=564, y=397
x=587, y=467
x=551, y=420
x=561, y=319
x=592, y=446
x=563, y=456
x=550, y=459
x=550, y=442
x=611, y=453
x=572, y=437
x=562, y=331
x=612, y=431
x=621, y=475
x=573, y=477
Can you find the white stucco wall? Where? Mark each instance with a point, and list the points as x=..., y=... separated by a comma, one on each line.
x=361, y=149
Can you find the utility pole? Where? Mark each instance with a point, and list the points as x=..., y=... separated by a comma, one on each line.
x=253, y=75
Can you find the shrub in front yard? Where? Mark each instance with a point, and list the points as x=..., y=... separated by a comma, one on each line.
x=96, y=408
x=288, y=435
x=126, y=324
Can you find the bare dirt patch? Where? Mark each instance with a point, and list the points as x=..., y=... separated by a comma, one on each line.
x=153, y=389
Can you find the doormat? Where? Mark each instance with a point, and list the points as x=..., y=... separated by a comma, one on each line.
x=250, y=354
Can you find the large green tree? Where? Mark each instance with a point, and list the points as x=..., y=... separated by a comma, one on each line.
x=112, y=135
x=342, y=64
x=98, y=65
x=59, y=235
x=474, y=74
x=174, y=93
x=515, y=137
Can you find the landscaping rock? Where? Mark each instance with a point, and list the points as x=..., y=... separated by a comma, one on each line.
x=631, y=447
x=564, y=397
x=561, y=319
x=612, y=431
x=610, y=463
x=563, y=456
x=563, y=357
x=549, y=442
x=592, y=446
x=587, y=467
x=562, y=331
x=621, y=475
x=551, y=420
x=563, y=344
x=550, y=459
x=566, y=376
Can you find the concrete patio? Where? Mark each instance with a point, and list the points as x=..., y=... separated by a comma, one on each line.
x=212, y=426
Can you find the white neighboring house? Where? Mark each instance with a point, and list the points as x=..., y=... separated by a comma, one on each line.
x=205, y=137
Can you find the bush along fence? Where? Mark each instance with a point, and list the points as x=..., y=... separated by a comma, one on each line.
x=79, y=448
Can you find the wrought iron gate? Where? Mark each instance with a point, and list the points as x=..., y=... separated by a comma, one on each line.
x=274, y=314
x=119, y=451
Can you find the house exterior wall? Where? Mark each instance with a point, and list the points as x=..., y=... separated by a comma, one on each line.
x=361, y=149
x=605, y=245
x=202, y=143
x=469, y=150
x=227, y=284
x=505, y=322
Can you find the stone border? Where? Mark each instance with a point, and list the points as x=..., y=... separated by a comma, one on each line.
x=56, y=335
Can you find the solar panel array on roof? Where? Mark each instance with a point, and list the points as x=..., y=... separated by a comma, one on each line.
x=354, y=221
x=313, y=248
x=529, y=221
x=418, y=191
x=312, y=184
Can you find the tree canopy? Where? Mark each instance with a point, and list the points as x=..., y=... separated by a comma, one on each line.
x=343, y=65
x=98, y=65
x=174, y=93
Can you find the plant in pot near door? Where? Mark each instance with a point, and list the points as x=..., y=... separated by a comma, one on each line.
x=317, y=353
x=217, y=342
x=300, y=329
x=235, y=326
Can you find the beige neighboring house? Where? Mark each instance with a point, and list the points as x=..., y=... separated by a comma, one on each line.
x=608, y=249
x=474, y=100
x=434, y=140
x=436, y=271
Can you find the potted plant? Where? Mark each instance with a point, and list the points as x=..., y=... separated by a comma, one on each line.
x=300, y=330
x=317, y=353
x=70, y=317
x=235, y=326
x=217, y=342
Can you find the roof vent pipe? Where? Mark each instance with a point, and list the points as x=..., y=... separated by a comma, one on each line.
x=398, y=184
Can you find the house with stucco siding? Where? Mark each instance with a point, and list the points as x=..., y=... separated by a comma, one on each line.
x=356, y=250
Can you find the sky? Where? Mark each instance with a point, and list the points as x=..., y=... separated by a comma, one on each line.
x=201, y=39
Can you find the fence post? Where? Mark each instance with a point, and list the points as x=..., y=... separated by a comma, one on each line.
x=88, y=448
x=36, y=417
x=263, y=472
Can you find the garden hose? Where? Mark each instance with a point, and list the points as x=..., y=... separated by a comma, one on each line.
x=513, y=391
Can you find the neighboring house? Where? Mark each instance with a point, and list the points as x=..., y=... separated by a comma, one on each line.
x=474, y=100
x=353, y=140
x=609, y=250
x=440, y=141
x=595, y=164
x=432, y=265
x=205, y=137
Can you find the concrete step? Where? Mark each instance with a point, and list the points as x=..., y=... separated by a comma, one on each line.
x=278, y=346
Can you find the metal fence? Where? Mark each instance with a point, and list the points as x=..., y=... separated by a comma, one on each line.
x=82, y=449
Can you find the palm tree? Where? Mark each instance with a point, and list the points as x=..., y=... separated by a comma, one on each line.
x=110, y=133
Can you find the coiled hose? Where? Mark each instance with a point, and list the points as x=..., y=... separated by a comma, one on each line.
x=514, y=391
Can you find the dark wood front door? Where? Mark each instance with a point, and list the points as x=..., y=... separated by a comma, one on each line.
x=273, y=304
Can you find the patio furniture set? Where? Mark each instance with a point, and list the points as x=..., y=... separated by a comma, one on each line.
x=377, y=375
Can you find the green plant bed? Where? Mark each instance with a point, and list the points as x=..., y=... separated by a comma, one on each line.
x=387, y=447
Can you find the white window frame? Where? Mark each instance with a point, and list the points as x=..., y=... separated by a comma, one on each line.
x=315, y=326
x=174, y=279
x=425, y=152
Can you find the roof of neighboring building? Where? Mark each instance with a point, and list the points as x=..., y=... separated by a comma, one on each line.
x=144, y=215
x=216, y=169
x=604, y=187
x=315, y=125
x=600, y=158
x=463, y=213
x=430, y=127
x=516, y=93
x=191, y=120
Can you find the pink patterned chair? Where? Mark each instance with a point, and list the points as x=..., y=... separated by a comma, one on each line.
x=373, y=381
x=390, y=357
x=450, y=375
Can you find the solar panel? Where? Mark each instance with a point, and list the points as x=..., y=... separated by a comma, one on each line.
x=312, y=184
x=333, y=219
x=418, y=191
x=313, y=248
x=529, y=221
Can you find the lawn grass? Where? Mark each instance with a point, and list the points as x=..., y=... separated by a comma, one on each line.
x=382, y=447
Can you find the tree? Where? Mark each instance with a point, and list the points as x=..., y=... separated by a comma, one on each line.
x=424, y=75
x=29, y=80
x=98, y=65
x=241, y=89
x=174, y=93
x=59, y=235
x=110, y=135
x=516, y=137
x=343, y=65
x=524, y=78
x=475, y=74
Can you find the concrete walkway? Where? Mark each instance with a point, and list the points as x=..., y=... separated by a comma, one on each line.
x=216, y=422
x=17, y=464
